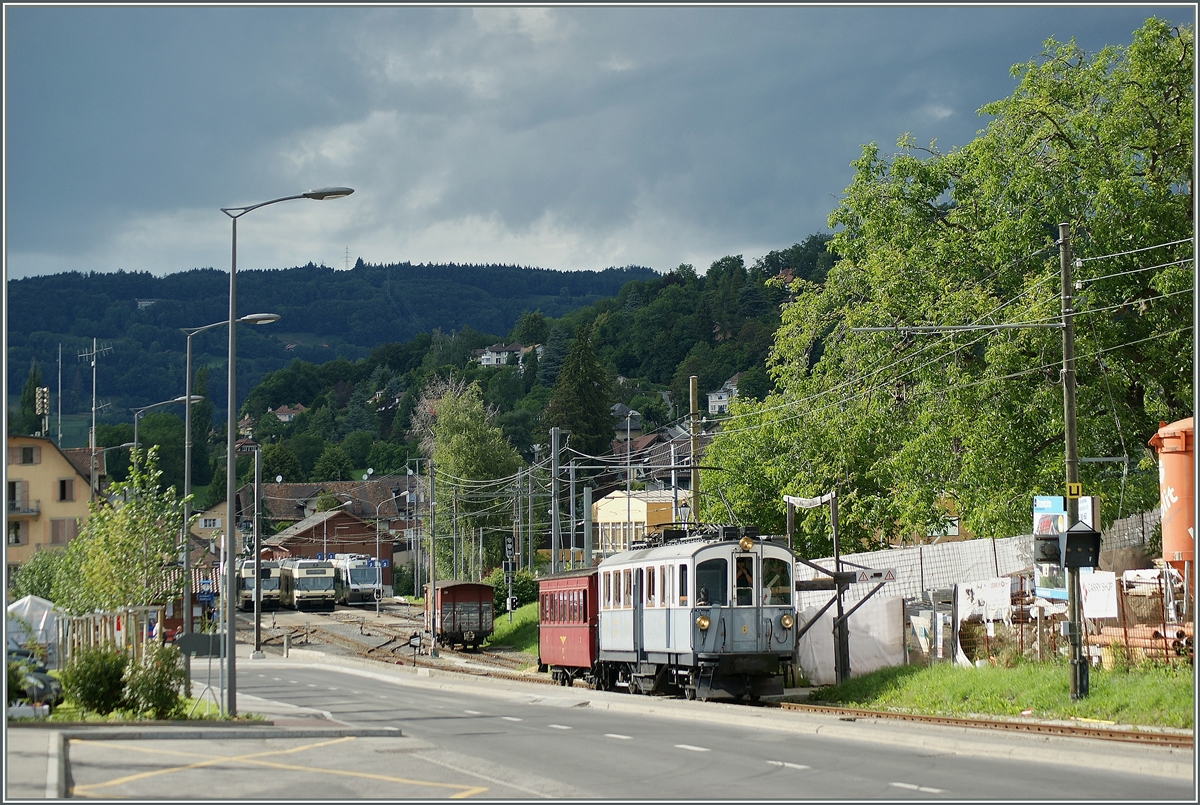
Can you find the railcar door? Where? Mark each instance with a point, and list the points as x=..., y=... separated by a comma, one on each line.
x=639, y=631
x=745, y=614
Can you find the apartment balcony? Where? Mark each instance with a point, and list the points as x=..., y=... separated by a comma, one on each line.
x=24, y=508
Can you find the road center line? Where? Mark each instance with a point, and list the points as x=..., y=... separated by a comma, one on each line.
x=922, y=788
x=511, y=718
x=618, y=737
x=557, y=727
x=784, y=764
x=691, y=748
x=473, y=712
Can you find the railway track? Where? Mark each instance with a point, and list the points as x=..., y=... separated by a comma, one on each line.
x=1177, y=740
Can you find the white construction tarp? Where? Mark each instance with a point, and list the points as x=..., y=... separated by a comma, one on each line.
x=35, y=613
x=876, y=639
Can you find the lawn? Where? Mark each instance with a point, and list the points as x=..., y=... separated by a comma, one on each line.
x=1149, y=695
x=521, y=634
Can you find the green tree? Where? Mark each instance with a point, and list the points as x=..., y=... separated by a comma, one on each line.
x=554, y=352
x=530, y=329
x=581, y=401
x=471, y=457
x=333, y=465
x=166, y=432
x=358, y=446
x=278, y=460
x=36, y=576
x=27, y=421
x=125, y=553
x=202, y=414
x=906, y=428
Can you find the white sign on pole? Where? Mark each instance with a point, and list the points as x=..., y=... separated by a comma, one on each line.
x=887, y=574
x=1098, y=594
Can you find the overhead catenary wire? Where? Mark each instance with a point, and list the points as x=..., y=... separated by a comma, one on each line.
x=1134, y=251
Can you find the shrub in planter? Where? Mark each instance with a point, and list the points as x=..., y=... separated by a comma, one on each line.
x=95, y=679
x=153, y=686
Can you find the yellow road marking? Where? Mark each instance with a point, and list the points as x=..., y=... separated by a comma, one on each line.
x=88, y=790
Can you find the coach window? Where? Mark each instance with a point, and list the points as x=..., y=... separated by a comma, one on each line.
x=712, y=583
x=627, y=588
x=683, y=594
x=663, y=581
x=606, y=597
x=650, y=598
x=777, y=582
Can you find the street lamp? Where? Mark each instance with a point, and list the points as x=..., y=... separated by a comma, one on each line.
x=234, y=213
x=138, y=412
x=253, y=318
x=378, y=567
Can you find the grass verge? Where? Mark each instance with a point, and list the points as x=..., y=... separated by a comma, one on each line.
x=521, y=634
x=206, y=710
x=1145, y=695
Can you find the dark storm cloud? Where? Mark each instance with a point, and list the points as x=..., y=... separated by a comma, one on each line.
x=562, y=137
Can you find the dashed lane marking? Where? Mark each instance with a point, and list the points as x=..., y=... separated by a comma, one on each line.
x=558, y=727
x=311, y=685
x=922, y=788
x=511, y=718
x=473, y=712
x=691, y=748
x=618, y=737
x=785, y=765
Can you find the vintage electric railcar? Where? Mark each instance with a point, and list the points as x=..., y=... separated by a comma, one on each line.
x=306, y=584
x=707, y=612
x=464, y=610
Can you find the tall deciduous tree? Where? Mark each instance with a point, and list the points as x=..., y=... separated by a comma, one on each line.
x=581, y=401
x=912, y=429
x=127, y=550
x=27, y=420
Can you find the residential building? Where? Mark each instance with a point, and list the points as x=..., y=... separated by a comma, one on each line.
x=621, y=412
x=47, y=498
x=287, y=413
x=620, y=518
x=718, y=401
x=500, y=354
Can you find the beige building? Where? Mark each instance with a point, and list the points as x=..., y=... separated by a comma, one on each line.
x=619, y=519
x=47, y=498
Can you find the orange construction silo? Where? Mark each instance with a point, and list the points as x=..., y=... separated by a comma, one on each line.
x=1176, y=446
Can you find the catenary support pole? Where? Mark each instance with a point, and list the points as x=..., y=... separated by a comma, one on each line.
x=694, y=396
x=555, y=525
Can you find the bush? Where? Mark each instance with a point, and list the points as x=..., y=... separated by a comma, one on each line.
x=524, y=588
x=153, y=686
x=16, y=681
x=95, y=679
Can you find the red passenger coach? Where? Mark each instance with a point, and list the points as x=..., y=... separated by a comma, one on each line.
x=464, y=611
x=568, y=621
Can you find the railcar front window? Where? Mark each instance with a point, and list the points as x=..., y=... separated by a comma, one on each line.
x=777, y=582
x=744, y=583
x=314, y=583
x=362, y=575
x=712, y=583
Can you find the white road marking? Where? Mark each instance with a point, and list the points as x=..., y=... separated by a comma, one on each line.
x=473, y=712
x=786, y=765
x=618, y=737
x=277, y=679
x=293, y=681
x=691, y=748
x=558, y=727
x=511, y=718
x=262, y=676
x=923, y=788
x=311, y=685
x=333, y=688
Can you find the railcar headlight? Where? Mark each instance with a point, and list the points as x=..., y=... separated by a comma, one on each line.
x=787, y=621
x=746, y=543
x=702, y=623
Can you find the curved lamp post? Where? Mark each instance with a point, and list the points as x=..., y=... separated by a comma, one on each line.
x=253, y=318
x=138, y=412
x=234, y=213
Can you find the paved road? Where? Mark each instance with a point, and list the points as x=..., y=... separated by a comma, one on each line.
x=506, y=741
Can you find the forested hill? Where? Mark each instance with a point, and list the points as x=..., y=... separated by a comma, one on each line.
x=325, y=314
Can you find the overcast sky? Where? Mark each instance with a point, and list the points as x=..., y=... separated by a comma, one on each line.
x=567, y=138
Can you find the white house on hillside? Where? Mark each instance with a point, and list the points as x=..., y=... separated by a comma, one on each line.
x=718, y=401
